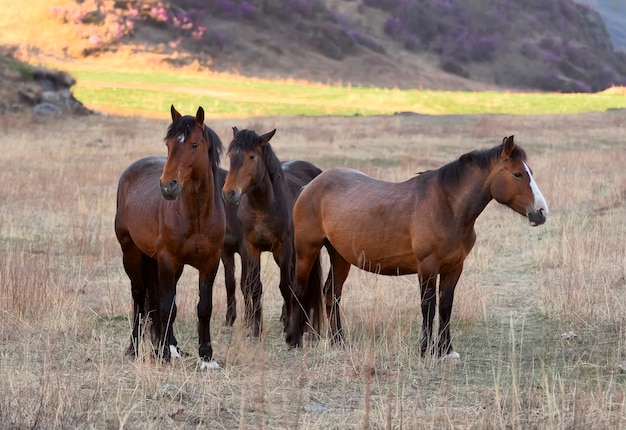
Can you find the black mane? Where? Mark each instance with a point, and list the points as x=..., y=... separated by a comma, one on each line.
x=248, y=140
x=452, y=172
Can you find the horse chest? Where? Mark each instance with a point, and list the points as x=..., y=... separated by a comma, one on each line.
x=263, y=230
x=193, y=248
x=263, y=238
x=196, y=240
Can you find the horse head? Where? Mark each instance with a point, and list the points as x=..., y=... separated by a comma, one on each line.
x=247, y=163
x=188, y=149
x=513, y=184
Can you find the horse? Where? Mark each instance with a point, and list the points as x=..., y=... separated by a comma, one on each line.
x=233, y=244
x=170, y=213
x=265, y=190
x=422, y=226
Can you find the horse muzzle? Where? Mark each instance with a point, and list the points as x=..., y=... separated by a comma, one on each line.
x=231, y=197
x=172, y=190
x=537, y=217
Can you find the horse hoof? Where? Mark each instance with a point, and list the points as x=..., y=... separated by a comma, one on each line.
x=130, y=353
x=208, y=365
x=293, y=342
x=452, y=355
x=174, y=352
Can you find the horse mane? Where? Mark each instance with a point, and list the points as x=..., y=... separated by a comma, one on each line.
x=248, y=140
x=183, y=125
x=452, y=172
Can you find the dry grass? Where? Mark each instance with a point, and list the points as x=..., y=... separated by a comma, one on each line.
x=65, y=301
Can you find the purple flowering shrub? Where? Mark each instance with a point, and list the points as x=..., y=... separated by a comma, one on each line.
x=466, y=32
x=106, y=22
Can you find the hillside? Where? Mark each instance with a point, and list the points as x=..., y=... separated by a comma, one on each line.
x=431, y=44
x=613, y=13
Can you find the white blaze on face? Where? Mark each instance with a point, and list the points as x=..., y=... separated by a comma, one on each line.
x=181, y=138
x=540, y=202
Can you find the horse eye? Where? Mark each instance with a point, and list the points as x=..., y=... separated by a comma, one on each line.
x=194, y=145
x=252, y=157
x=518, y=175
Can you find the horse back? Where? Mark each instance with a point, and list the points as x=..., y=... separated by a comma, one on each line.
x=298, y=173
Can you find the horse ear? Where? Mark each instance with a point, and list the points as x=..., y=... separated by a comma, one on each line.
x=235, y=131
x=200, y=117
x=467, y=158
x=266, y=138
x=508, y=145
x=175, y=114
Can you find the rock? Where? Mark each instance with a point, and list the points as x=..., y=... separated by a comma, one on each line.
x=46, y=109
x=46, y=92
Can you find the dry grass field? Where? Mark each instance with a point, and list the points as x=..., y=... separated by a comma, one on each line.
x=539, y=316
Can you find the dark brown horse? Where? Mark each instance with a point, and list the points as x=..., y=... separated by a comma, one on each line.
x=170, y=213
x=266, y=190
x=424, y=225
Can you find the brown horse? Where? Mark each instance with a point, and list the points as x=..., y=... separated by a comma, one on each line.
x=170, y=213
x=424, y=225
x=266, y=190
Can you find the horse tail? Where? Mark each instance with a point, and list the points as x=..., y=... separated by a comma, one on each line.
x=313, y=299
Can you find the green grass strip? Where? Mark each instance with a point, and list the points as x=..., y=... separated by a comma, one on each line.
x=150, y=93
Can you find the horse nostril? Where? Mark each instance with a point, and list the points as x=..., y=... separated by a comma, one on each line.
x=543, y=214
x=173, y=183
x=172, y=190
x=230, y=197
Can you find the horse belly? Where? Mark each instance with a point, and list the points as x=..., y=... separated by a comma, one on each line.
x=144, y=235
x=402, y=263
x=378, y=253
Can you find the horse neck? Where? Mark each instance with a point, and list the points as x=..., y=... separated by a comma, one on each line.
x=470, y=195
x=200, y=194
x=267, y=191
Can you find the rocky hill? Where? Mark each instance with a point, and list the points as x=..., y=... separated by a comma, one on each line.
x=613, y=13
x=555, y=45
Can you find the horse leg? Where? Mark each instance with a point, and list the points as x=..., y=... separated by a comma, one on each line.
x=254, y=289
x=332, y=290
x=205, y=309
x=283, y=256
x=150, y=276
x=447, y=284
x=172, y=343
x=243, y=280
x=246, y=285
x=428, y=287
x=228, y=259
x=168, y=277
x=306, y=256
x=133, y=266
